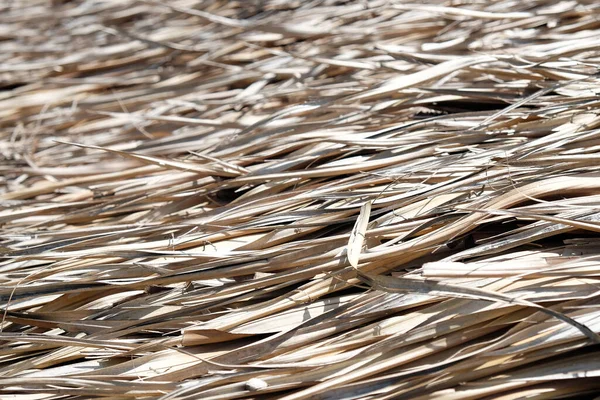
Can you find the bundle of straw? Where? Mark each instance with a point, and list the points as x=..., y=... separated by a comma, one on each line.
x=209, y=199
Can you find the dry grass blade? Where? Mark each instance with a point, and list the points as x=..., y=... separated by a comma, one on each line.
x=357, y=235
x=193, y=195
x=435, y=288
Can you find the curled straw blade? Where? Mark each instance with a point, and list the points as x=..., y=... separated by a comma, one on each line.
x=357, y=235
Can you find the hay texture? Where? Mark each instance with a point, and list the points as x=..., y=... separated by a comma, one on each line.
x=299, y=199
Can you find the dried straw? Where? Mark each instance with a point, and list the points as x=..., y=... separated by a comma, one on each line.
x=293, y=200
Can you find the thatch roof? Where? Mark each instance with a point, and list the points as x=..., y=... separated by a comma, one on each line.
x=286, y=199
